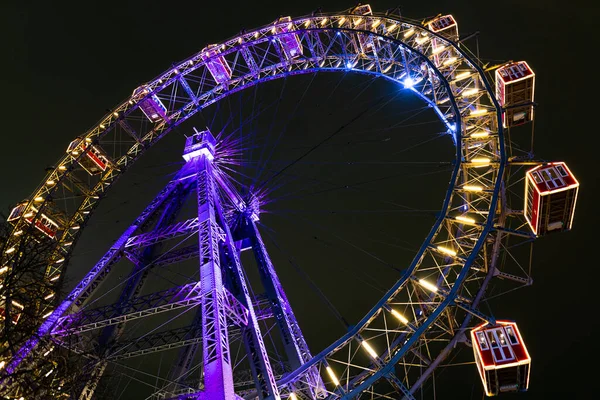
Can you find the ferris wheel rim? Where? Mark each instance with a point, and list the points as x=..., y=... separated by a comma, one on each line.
x=442, y=216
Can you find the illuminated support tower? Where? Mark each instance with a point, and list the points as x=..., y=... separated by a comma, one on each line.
x=218, y=378
x=295, y=346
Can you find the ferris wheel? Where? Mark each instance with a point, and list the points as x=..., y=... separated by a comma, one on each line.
x=431, y=307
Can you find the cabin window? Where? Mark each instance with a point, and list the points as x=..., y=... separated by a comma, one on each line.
x=536, y=177
x=499, y=341
x=502, y=338
x=482, y=341
x=511, y=335
x=552, y=179
x=561, y=171
x=493, y=340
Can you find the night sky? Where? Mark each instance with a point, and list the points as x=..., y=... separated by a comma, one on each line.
x=64, y=66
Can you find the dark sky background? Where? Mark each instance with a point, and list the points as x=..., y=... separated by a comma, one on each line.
x=64, y=65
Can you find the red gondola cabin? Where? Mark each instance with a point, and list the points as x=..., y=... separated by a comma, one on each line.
x=550, y=197
x=515, y=86
x=501, y=357
x=446, y=27
x=94, y=161
x=43, y=223
x=15, y=312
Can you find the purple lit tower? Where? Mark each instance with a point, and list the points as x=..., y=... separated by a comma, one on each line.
x=223, y=301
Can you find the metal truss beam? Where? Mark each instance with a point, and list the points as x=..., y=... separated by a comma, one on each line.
x=176, y=256
x=161, y=341
x=152, y=304
x=155, y=303
x=170, y=232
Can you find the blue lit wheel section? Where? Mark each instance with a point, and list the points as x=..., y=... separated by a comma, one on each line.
x=395, y=348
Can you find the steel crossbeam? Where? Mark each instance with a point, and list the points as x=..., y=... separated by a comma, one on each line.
x=176, y=256
x=236, y=310
x=154, y=343
x=170, y=232
x=155, y=303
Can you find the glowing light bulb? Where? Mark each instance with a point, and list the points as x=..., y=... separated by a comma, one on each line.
x=399, y=316
x=409, y=33
x=467, y=220
x=334, y=378
x=470, y=92
x=479, y=111
x=481, y=161
x=472, y=188
x=428, y=286
x=446, y=250
x=369, y=349
x=462, y=75
x=481, y=134
x=450, y=60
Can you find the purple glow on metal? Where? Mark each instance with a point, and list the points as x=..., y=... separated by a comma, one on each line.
x=216, y=65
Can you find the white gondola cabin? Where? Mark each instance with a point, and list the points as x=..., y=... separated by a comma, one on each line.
x=550, y=198
x=216, y=65
x=290, y=44
x=501, y=357
x=43, y=223
x=151, y=106
x=93, y=161
x=515, y=87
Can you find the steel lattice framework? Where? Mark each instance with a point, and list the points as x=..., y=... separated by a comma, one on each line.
x=406, y=334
